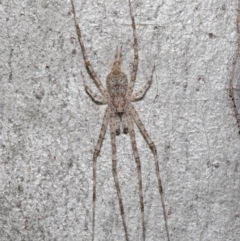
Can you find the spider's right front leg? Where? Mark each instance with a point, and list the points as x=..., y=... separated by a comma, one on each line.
x=135, y=48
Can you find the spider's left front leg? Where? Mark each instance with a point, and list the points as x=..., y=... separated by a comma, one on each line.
x=89, y=67
x=138, y=162
x=114, y=170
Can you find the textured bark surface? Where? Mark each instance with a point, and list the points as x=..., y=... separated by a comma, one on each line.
x=49, y=125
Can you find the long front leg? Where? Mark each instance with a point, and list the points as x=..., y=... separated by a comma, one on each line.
x=89, y=67
x=115, y=176
x=95, y=155
x=137, y=159
x=135, y=47
x=154, y=151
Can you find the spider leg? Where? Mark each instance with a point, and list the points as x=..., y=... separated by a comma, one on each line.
x=140, y=94
x=89, y=67
x=135, y=47
x=154, y=151
x=95, y=155
x=138, y=162
x=115, y=176
x=96, y=98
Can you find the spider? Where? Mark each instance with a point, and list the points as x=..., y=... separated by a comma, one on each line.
x=120, y=115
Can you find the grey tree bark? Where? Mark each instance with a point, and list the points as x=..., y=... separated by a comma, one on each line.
x=49, y=125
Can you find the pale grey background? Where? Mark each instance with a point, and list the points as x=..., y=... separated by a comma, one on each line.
x=49, y=125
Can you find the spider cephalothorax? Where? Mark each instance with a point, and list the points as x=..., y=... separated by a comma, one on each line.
x=117, y=85
x=120, y=114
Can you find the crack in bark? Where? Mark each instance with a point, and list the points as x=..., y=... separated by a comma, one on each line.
x=235, y=71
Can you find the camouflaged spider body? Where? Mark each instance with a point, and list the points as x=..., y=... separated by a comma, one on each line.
x=120, y=115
